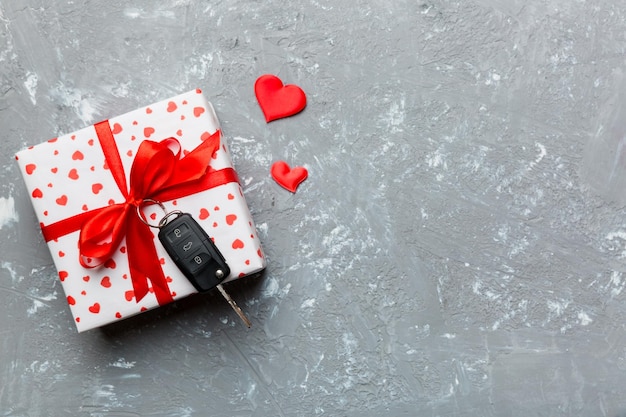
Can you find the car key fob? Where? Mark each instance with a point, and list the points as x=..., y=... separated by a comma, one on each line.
x=194, y=252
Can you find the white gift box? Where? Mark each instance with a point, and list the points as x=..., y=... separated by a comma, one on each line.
x=70, y=176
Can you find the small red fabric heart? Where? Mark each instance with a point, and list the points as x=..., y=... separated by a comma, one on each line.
x=287, y=177
x=278, y=100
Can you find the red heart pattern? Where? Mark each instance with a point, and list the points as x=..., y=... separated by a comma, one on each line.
x=287, y=177
x=276, y=99
x=62, y=200
x=96, y=188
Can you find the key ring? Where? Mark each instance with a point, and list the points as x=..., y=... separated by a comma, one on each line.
x=165, y=218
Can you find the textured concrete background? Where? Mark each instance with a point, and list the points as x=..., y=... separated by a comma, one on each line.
x=458, y=250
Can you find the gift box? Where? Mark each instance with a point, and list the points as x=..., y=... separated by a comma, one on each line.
x=98, y=193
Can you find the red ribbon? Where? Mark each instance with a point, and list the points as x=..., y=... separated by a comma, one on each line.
x=158, y=173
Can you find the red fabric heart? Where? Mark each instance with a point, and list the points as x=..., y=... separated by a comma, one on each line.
x=278, y=100
x=287, y=177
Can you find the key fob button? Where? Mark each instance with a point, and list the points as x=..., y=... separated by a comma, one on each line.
x=188, y=245
x=178, y=233
x=197, y=261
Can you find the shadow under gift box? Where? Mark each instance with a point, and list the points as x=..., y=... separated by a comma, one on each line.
x=70, y=177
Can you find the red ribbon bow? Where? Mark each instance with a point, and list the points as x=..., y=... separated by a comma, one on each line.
x=158, y=173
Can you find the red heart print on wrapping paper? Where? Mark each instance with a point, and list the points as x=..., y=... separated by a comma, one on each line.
x=287, y=177
x=277, y=100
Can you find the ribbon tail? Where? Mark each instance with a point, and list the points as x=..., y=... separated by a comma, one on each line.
x=144, y=263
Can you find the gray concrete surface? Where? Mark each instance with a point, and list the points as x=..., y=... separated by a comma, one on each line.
x=458, y=250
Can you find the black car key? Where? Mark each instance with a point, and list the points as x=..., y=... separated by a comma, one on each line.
x=195, y=254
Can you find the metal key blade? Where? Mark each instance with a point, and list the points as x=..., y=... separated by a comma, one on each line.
x=234, y=305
